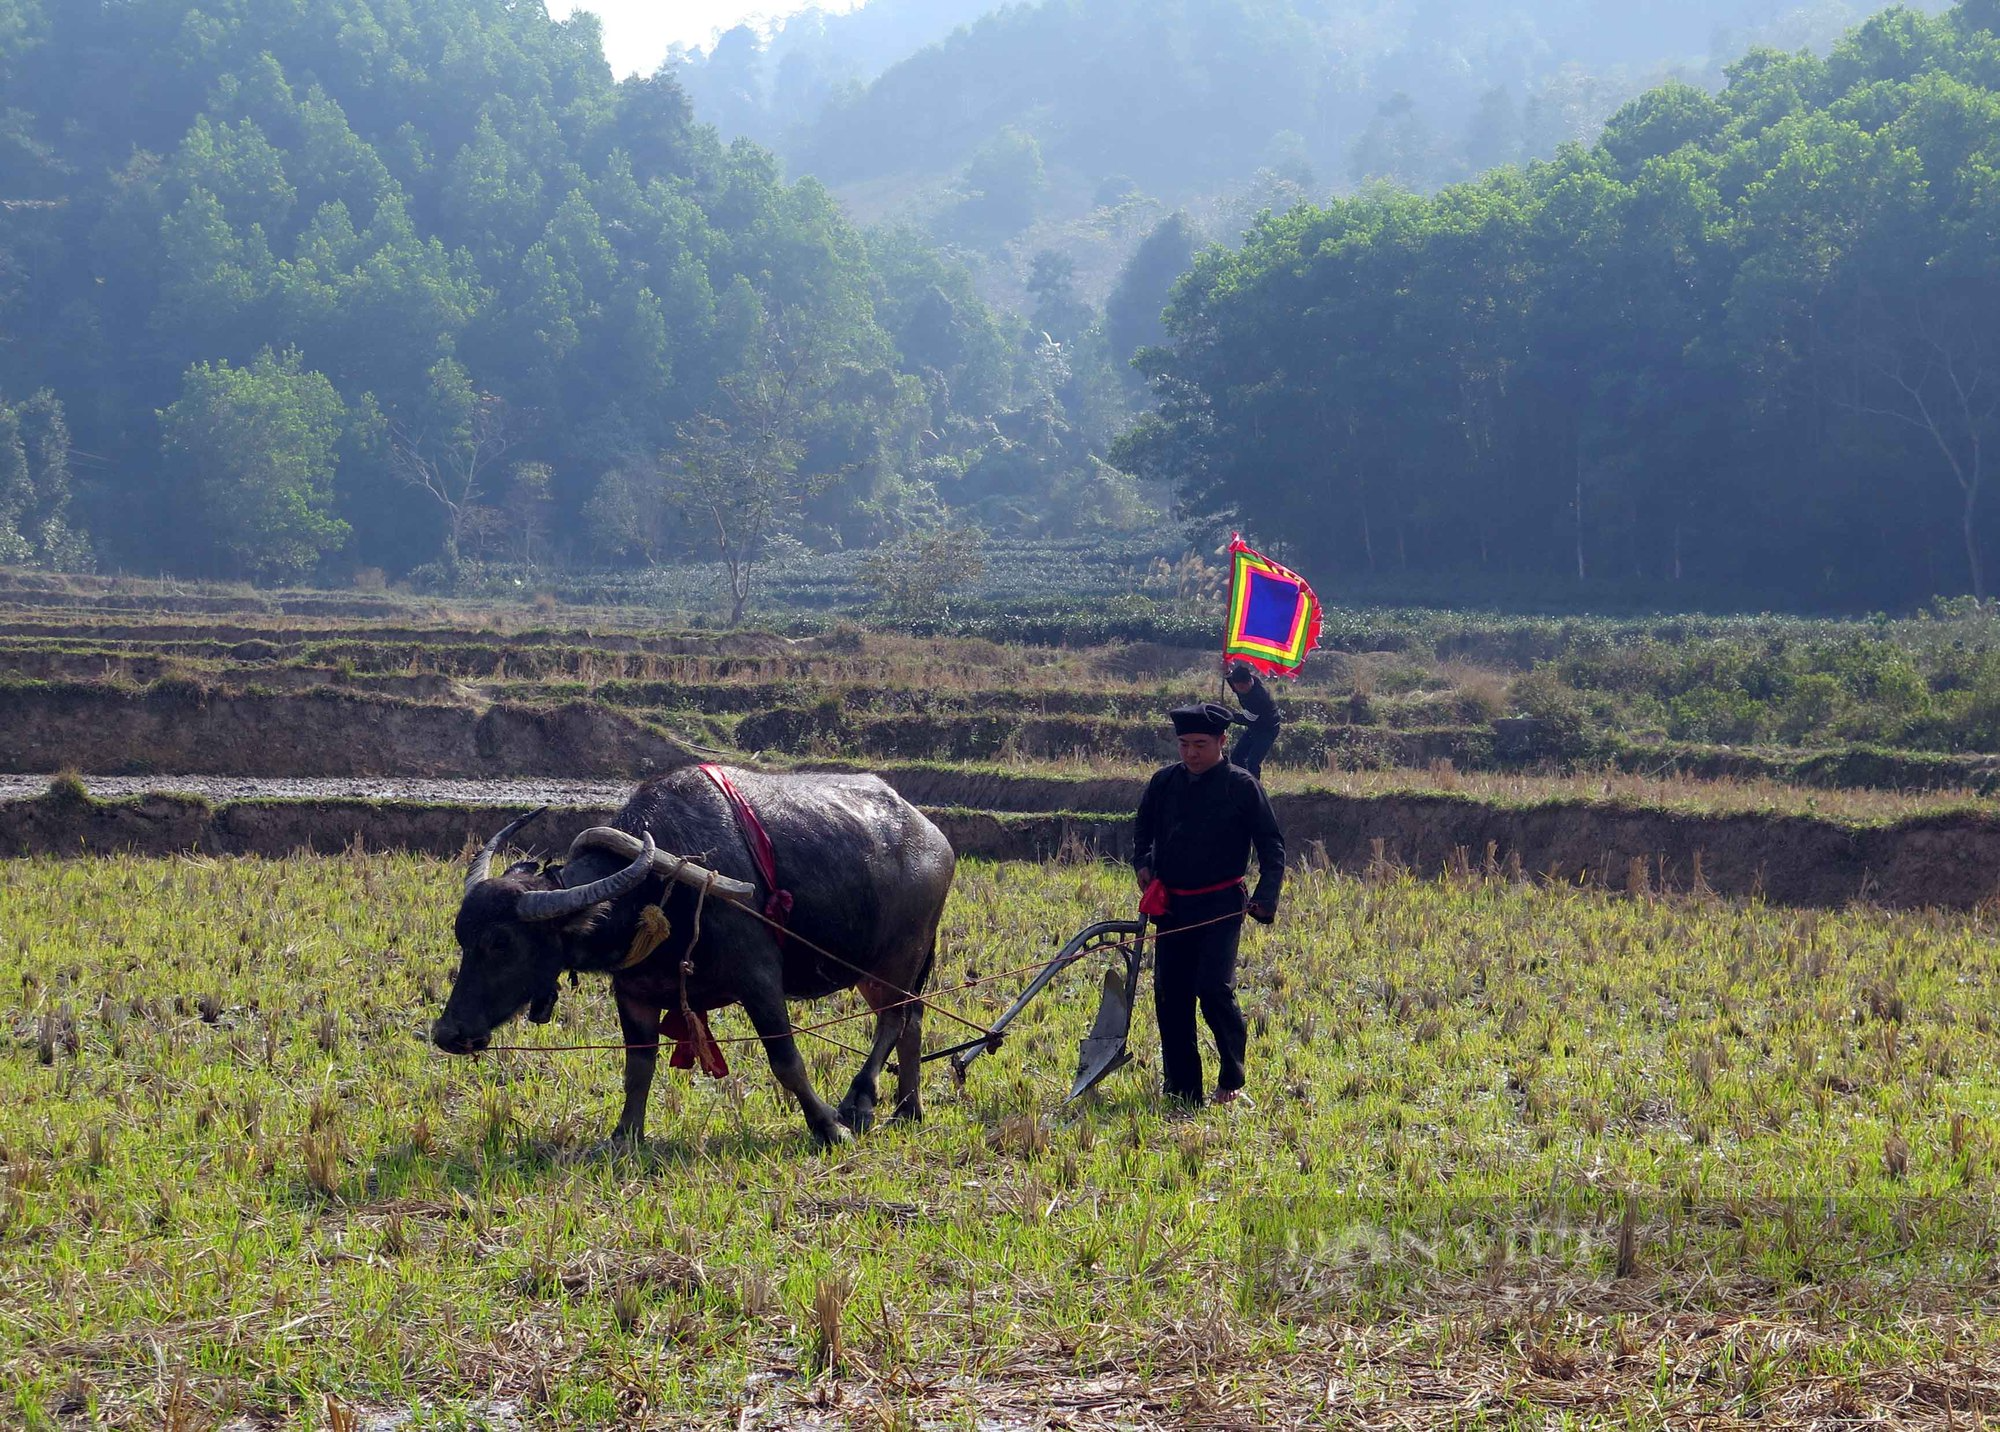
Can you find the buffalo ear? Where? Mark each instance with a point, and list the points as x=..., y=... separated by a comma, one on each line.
x=521, y=867
x=585, y=922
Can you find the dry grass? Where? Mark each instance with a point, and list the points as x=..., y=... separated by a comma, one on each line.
x=1784, y=1120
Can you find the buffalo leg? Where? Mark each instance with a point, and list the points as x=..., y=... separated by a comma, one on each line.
x=857, y=1110
x=910, y=1046
x=910, y=1066
x=766, y=1007
x=641, y=1023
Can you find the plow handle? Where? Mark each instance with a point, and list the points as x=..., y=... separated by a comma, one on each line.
x=962, y=1054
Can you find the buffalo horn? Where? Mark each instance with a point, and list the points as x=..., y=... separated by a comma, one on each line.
x=604, y=837
x=482, y=864
x=554, y=904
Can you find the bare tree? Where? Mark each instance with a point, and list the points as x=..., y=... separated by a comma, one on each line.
x=1929, y=362
x=628, y=513
x=740, y=482
x=914, y=578
x=734, y=472
x=451, y=450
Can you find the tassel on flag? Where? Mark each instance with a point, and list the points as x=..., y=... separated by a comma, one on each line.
x=1273, y=614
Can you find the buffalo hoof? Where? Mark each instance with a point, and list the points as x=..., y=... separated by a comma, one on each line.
x=857, y=1115
x=618, y=1146
x=837, y=1136
x=911, y=1113
x=625, y=1142
x=584, y=1155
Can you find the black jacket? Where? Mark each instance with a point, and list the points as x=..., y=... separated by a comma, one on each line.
x=1193, y=831
x=1260, y=708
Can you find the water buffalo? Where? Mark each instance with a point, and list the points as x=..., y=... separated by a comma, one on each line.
x=868, y=875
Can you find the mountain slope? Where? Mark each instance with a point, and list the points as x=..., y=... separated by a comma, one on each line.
x=1010, y=132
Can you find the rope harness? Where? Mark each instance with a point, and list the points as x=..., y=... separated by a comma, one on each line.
x=694, y=1042
x=816, y=1030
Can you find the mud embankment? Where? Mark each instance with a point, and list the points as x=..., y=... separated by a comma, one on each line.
x=65, y=823
x=1950, y=861
x=1024, y=732
x=189, y=730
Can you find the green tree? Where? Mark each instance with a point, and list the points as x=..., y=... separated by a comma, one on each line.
x=35, y=489
x=1493, y=138
x=1132, y=314
x=1001, y=187
x=1398, y=147
x=450, y=195
x=257, y=448
x=1058, y=312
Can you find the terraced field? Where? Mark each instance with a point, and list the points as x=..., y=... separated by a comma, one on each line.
x=1556, y=1136
x=320, y=720
x=1398, y=697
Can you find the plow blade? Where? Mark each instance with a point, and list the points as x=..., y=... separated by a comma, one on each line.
x=1103, y=1049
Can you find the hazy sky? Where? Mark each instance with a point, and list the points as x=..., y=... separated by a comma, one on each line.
x=637, y=32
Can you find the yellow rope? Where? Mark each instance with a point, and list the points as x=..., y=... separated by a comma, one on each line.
x=652, y=933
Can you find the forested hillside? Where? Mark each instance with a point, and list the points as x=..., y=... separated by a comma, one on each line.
x=759, y=86
x=1041, y=125
x=352, y=284
x=1745, y=343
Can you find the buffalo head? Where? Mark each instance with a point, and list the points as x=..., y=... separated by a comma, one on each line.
x=510, y=931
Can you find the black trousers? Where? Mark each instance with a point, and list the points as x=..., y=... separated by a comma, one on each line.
x=1199, y=966
x=1251, y=748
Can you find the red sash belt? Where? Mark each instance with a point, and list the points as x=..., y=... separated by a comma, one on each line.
x=778, y=905
x=692, y=1044
x=1157, y=902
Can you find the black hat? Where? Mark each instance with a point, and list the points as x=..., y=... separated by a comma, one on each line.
x=1241, y=672
x=1207, y=719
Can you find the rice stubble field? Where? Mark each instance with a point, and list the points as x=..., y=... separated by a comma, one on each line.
x=1519, y=1153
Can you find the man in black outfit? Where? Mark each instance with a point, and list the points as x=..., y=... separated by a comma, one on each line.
x=1259, y=715
x=1196, y=824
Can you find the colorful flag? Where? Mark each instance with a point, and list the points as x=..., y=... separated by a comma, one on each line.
x=1273, y=614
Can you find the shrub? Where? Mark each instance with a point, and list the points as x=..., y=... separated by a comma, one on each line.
x=912, y=580
x=1815, y=702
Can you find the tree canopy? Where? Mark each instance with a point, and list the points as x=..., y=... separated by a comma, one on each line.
x=506, y=269
x=1745, y=343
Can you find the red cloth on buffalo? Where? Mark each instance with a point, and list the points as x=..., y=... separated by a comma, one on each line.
x=693, y=1044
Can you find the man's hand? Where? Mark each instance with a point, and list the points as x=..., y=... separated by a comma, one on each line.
x=1261, y=913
